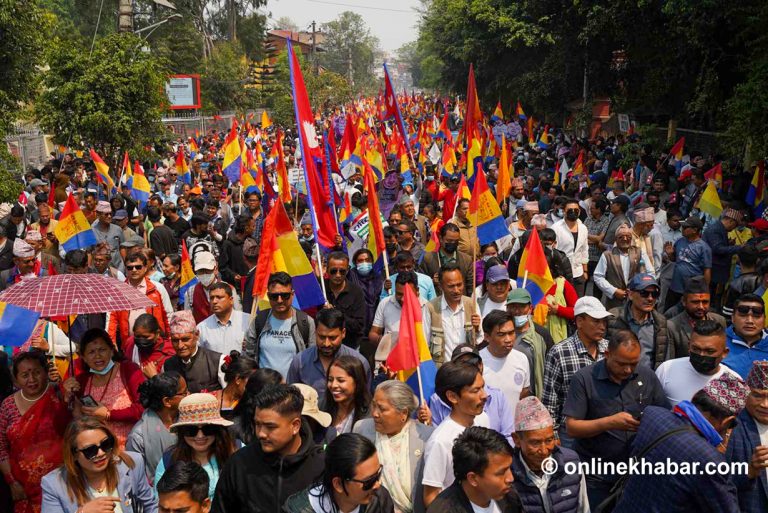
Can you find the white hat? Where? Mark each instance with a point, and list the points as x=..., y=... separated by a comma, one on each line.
x=311, y=408
x=22, y=249
x=199, y=410
x=591, y=306
x=205, y=260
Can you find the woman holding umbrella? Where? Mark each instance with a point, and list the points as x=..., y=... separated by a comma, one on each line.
x=109, y=389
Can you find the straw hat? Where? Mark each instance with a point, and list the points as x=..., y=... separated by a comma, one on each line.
x=311, y=408
x=199, y=409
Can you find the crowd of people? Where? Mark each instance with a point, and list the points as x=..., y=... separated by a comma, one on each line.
x=650, y=342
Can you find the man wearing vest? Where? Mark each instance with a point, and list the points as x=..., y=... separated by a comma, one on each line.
x=197, y=298
x=200, y=367
x=539, y=491
x=455, y=318
x=279, y=333
x=448, y=254
x=616, y=268
x=696, y=308
x=527, y=339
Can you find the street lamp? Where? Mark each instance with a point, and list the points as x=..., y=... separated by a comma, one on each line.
x=152, y=27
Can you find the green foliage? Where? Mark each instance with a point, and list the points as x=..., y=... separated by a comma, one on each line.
x=328, y=90
x=348, y=39
x=113, y=99
x=223, y=79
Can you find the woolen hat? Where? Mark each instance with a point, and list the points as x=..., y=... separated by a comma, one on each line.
x=728, y=391
x=758, y=375
x=182, y=322
x=531, y=414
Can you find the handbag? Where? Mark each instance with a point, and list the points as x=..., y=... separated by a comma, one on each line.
x=617, y=490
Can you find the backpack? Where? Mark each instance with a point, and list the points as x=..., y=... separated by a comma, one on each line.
x=302, y=323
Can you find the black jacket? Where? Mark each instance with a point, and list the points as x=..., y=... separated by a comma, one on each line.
x=231, y=260
x=256, y=482
x=454, y=500
x=380, y=502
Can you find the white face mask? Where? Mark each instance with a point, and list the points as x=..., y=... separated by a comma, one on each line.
x=206, y=279
x=520, y=320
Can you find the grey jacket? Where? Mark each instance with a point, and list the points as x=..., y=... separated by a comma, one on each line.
x=417, y=438
x=679, y=330
x=150, y=438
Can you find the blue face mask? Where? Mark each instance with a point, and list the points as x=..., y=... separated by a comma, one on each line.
x=105, y=370
x=364, y=268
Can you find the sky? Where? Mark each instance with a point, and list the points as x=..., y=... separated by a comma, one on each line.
x=393, y=21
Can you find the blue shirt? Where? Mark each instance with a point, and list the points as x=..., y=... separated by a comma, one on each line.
x=500, y=415
x=306, y=368
x=426, y=287
x=691, y=259
x=740, y=355
x=277, y=349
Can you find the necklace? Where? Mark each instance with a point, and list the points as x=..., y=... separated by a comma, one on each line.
x=35, y=399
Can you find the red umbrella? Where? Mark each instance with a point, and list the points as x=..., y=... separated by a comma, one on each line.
x=74, y=294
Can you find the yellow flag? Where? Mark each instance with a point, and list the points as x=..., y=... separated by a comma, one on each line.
x=504, y=181
x=709, y=202
x=265, y=121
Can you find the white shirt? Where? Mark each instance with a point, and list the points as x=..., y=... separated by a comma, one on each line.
x=388, y=315
x=681, y=381
x=602, y=266
x=224, y=337
x=490, y=306
x=578, y=254
x=510, y=374
x=453, y=325
x=491, y=508
x=438, y=459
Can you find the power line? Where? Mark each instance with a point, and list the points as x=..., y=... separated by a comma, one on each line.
x=361, y=6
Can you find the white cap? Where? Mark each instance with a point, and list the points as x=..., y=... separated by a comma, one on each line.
x=591, y=306
x=205, y=260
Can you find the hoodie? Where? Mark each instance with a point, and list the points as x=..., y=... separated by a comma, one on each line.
x=259, y=482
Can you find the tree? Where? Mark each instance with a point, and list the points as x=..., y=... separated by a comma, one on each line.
x=113, y=99
x=223, y=79
x=350, y=49
x=285, y=23
x=328, y=90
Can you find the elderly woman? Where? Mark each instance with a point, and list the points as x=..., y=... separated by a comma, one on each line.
x=399, y=442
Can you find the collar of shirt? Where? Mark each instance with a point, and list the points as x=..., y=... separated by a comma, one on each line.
x=186, y=362
x=540, y=481
x=581, y=347
x=444, y=258
x=601, y=373
x=445, y=308
x=631, y=318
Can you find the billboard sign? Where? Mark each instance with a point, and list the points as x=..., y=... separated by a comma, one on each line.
x=183, y=91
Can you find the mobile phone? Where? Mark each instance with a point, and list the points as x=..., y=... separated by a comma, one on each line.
x=89, y=401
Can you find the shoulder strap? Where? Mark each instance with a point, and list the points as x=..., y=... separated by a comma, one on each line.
x=303, y=325
x=661, y=438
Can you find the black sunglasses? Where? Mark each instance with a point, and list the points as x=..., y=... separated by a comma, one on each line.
x=207, y=429
x=756, y=311
x=134, y=267
x=650, y=293
x=337, y=271
x=369, y=482
x=274, y=296
x=91, y=451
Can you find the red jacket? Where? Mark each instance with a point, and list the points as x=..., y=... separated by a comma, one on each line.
x=132, y=377
x=158, y=355
x=118, y=321
x=448, y=197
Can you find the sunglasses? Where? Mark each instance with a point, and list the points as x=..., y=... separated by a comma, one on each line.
x=402, y=232
x=649, y=293
x=91, y=451
x=369, y=482
x=342, y=272
x=274, y=296
x=134, y=267
x=207, y=429
x=744, y=310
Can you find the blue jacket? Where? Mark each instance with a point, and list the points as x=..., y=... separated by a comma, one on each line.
x=563, y=488
x=753, y=493
x=132, y=485
x=681, y=492
x=740, y=355
x=717, y=237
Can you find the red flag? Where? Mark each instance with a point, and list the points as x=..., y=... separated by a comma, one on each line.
x=22, y=199
x=473, y=115
x=52, y=270
x=405, y=354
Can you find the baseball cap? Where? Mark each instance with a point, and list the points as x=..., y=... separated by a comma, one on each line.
x=120, y=215
x=497, y=273
x=591, y=306
x=518, y=296
x=693, y=222
x=520, y=203
x=642, y=281
x=311, y=408
x=760, y=225
x=464, y=349
x=205, y=260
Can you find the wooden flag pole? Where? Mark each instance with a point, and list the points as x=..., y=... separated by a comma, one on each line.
x=525, y=278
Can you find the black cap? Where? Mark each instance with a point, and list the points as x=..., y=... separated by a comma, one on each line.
x=696, y=285
x=693, y=222
x=464, y=349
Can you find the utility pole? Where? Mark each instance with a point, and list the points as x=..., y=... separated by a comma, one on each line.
x=350, y=75
x=314, y=49
x=125, y=16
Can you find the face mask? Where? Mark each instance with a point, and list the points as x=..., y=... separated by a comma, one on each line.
x=487, y=257
x=205, y=279
x=364, y=268
x=559, y=212
x=451, y=247
x=144, y=343
x=703, y=364
x=391, y=248
x=520, y=320
x=572, y=215
x=307, y=239
x=105, y=370
x=170, y=276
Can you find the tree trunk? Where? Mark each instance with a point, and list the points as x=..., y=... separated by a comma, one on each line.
x=125, y=16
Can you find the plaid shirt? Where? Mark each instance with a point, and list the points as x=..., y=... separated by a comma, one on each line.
x=563, y=361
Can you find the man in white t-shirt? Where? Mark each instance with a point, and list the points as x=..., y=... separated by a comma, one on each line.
x=504, y=367
x=681, y=378
x=461, y=386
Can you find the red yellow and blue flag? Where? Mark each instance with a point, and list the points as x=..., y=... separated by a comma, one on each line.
x=182, y=167
x=485, y=213
x=756, y=191
x=102, y=171
x=232, y=154
x=498, y=113
x=375, y=227
x=533, y=273
x=519, y=111
x=187, y=278
x=139, y=184
x=73, y=229
x=16, y=324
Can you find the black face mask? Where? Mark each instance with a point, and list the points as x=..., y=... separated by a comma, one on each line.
x=572, y=214
x=451, y=247
x=391, y=248
x=144, y=343
x=703, y=364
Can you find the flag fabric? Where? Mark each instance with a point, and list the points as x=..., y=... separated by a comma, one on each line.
x=561, y=173
x=443, y=131
x=282, y=171
x=232, y=154
x=73, y=230
x=194, y=149
x=410, y=357
x=139, y=184
x=265, y=121
x=182, y=167
x=392, y=109
x=16, y=324
x=676, y=151
x=472, y=117
x=519, y=111
x=756, y=191
x=247, y=181
x=504, y=180
x=125, y=173
x=375, y=227
x=448, y=160
x=543, y=141
x=323, y=221
x=434, y=239
x=534, y=270
x=485, y=213
x=187, y=278
x=498, y=113
x=102, y=171
x=716, y=173
x=578, y=166
x=709, y=202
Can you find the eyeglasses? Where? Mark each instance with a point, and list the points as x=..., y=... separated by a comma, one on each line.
x=649, y=293
x=91, y=451
x=207, y=429
x=274, y=296
x=369, y=482
x=402, y=232
x=333, y=272
x=134, y=267
x=744, y=311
